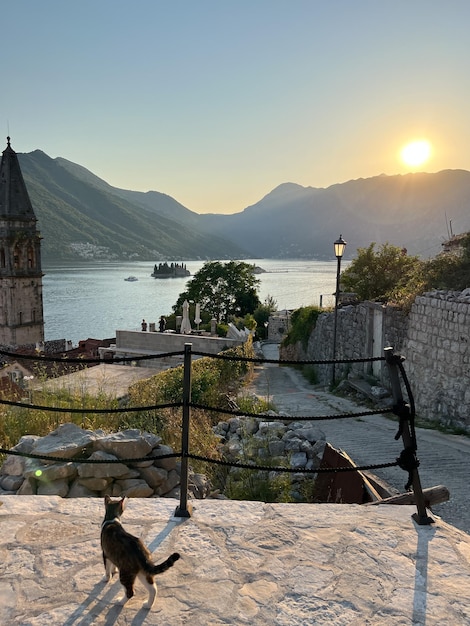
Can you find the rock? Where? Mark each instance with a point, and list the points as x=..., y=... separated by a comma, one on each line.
x=276, y=448
x=102, y=470
x=293, y=445
x=271, y=429
x=154, y=476
x=168, y=464
x=11, y=483
x=199, y=486
x=131, y=473
x=48, y=473
x=310, y=433
x=135, y=488
x=250, y=426
x=171, y=482
x=233, y=424
x=24, y=476
x=318, y=449
x=13, y=466
x=298, y=459
x=77, y=490
x=28, y=488
x=53, y=488
x=66, y=442
x=94, y=484
x=127, y=444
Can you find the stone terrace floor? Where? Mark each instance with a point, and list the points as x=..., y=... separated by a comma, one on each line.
x=241, y=563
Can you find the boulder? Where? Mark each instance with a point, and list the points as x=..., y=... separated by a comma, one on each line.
x=298, y=459
x=102, y=470
x=28, y=488
x=154, y=476
x=168, y=464
x=127, y=444
x=53, y=488
x=48, y=473
x=13, y=466
x=11, y=483
x=171, y=482
x=95, y=484
x=135, y=488
x=65, y=442
x=77, y=490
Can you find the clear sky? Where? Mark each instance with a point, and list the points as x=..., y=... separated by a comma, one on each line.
x=216, y=102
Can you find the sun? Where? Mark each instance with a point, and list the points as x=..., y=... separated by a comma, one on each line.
x=416, y=153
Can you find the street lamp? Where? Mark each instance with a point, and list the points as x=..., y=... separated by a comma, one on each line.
x=339, y=246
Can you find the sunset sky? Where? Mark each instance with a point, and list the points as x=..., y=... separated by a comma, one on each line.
x=216, y=102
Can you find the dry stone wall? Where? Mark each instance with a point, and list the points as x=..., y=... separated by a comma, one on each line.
x=437, y=351
x=69, y=478
x=434, y=338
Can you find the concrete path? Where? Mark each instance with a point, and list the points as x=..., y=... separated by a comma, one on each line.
x=444, y=459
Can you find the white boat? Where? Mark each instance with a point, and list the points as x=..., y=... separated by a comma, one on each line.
x=131, y=279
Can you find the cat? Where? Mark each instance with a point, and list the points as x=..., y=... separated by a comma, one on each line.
x=126, y=553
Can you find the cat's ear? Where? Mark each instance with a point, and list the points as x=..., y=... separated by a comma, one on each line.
x=123, y=503
x=107, y=500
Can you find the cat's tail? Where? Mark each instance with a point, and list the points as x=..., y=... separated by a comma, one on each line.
x=162, y=567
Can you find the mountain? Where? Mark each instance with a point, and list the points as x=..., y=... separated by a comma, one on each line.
x=81, y=216
x=415, y=211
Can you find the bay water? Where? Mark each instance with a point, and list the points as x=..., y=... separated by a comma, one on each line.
x=94, y=299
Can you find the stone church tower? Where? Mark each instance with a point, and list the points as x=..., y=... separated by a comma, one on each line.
x=21, y=309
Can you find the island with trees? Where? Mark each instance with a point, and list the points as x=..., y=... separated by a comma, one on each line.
x=172, y=270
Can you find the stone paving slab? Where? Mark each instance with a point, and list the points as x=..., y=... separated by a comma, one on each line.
x=241, y=563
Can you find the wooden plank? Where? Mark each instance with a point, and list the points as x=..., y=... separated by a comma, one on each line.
x=432, y=495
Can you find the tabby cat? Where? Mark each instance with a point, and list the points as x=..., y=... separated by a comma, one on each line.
x=126, y=553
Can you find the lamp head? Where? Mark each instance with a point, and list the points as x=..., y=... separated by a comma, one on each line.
x=340, y=246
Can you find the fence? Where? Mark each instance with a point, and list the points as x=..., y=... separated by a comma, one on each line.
x=405, y=411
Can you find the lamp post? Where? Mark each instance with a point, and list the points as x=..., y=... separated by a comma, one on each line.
x=339, y=246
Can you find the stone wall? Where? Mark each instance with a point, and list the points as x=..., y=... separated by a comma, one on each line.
x=363, y=330
x=434, y=338
x=68, y=478
x=437, y=351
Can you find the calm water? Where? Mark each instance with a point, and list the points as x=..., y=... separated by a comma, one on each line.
x=94, y=300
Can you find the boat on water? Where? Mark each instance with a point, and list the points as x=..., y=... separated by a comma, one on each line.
x=131, y=279
x=172, y=270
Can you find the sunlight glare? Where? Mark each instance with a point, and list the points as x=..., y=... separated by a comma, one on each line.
x=416, y=153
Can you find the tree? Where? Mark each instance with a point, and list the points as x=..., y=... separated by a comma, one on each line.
x=377, y=274
x=261, y=315
x=223, y=290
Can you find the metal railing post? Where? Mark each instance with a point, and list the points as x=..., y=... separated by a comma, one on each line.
x=185, y=509
x=402, y=410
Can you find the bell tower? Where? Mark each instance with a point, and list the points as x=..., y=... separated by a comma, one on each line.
x=21, y=307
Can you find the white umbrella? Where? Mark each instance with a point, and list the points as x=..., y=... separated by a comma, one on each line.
x=197, y=315
x=185, y=323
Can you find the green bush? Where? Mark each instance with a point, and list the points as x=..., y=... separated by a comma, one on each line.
x=303, y=321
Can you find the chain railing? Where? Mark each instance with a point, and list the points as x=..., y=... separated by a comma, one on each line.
x=405, y=412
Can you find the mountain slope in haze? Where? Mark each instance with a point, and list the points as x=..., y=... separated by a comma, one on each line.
x=415, y=211
x=81, y=216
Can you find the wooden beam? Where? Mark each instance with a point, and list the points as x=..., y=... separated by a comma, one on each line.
x=432, y=495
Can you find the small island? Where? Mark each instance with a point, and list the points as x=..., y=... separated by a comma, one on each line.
x=173, y=270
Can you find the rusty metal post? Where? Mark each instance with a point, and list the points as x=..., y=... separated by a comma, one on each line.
x=402, y=409
x=185, y=509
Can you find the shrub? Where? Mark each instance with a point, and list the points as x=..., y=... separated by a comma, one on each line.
x=303, y=321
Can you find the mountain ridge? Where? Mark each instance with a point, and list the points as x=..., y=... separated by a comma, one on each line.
x=77, y=210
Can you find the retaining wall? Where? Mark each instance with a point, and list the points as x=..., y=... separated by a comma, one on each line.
x=434, y=338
